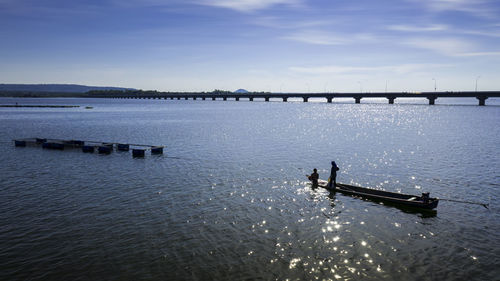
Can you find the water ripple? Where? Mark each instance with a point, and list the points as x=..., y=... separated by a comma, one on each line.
x=229, y=200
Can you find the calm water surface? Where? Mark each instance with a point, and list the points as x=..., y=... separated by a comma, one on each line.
x=228, y=200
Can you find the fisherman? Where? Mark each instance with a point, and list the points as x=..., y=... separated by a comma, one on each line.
x=332, y=181
x=314, y=178
x=425, y=197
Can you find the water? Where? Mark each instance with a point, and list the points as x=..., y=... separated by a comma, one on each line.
x=229, y=199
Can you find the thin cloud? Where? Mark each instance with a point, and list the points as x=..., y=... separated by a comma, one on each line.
x=478, y=54
x=336, y=69
x=482, y=33
x=458, y=5
x=249, y=5
x=317, y=38
x=452, y=47
x=414, y=28
x=487, y=32
x=445, y=46
x=283, y=23
x=477, y=7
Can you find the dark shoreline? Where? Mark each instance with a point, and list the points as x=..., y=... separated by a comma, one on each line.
x=50, y=106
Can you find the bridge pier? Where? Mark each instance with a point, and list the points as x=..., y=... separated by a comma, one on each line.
x=186, y=98
x=357, y=99
x=178, y=98
x=237, y=98
x=250, y=98
x=431, y=100
x=305, y=99
x=224, y=98
x=266, y=98
x=171, y=98
x=285, y=99
x=329, y=99
x=213, y=98
x=202, y=98
x=194, y=98
x=391, y=100
x=482, y=100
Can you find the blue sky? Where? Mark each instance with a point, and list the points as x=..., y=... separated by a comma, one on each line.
x=259, y=45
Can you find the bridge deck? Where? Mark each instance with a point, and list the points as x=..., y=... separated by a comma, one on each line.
x=481, y=96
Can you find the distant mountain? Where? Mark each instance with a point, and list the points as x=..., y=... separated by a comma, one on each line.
x=55, y=88
x=241, y=91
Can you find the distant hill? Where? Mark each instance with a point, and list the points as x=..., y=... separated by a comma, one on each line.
x=55, y=88
x=241, y=91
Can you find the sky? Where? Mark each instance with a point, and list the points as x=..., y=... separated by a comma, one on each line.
x=258, y=45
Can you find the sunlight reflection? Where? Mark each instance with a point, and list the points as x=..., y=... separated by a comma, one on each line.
x=293, y=263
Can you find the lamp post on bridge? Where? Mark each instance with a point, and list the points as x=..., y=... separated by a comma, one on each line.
x=360, y=87
x=435, y=84
x=477, y=78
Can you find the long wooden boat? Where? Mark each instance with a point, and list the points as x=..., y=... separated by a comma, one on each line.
x=414, y=201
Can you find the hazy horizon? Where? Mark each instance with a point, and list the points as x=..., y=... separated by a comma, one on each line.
x=257, y=45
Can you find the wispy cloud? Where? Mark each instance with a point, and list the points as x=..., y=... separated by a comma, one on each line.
x=486, y=33
x=478, y=54
x=336, y=69
x=293, y=24
x=476, y=7
x=453, y=47
x=249, y=5
x=317, y=38
x=415, y=28
x=445, y=46
x=459, y=5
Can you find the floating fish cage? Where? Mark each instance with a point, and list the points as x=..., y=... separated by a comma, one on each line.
x=53, y=145
x=88, y=148
x=122, y=147
x=138, y=150
x=20, y=143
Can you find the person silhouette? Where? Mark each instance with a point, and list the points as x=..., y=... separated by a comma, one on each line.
x=314, y=178
x=332, y=181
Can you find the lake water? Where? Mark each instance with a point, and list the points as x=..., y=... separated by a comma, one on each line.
x=229, y=198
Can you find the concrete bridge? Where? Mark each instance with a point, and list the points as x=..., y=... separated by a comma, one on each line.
x=481, y=96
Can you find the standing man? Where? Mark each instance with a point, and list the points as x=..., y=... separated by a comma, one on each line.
x=332, y=181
